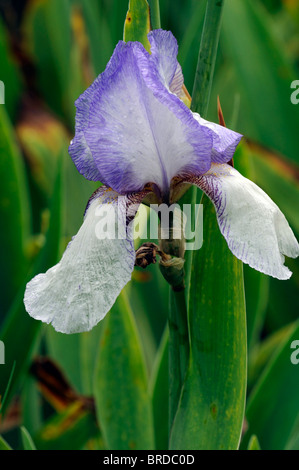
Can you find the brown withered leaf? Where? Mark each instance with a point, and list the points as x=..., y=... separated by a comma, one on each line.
x=55, y=387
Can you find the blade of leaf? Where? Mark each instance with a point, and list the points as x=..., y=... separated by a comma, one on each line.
x=20, y=345
x=155, y=14
x=27, y=440
x=254, y=444
x=69, y=430
x=137, y=24
x=262, y=353
x=272, y=409
x=160, y=395
x=10, y=74
x=211, y=408
x=279, y=178
x=264, y=74
x=120, y=386
x=4, y=445
x=14, y=212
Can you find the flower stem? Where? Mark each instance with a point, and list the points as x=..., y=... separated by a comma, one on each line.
x=207, y=57
x=155, y=13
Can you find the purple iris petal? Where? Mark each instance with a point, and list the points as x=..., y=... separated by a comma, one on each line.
x=131, y=127
x=75, y=294
x=255, y=229
x=130, y=130
x=164, y=50
x=225, y=140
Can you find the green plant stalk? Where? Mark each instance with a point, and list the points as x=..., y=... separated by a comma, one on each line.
x=155, y=13
x=178, y=317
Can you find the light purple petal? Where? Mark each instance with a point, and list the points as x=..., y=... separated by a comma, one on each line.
x=77, y=293
x=255, y=229
x=134, y=130
x=225, y=141
x=164, y=50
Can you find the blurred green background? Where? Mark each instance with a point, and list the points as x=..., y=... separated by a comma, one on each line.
x=50, y=51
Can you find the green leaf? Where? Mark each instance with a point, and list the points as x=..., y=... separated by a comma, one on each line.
x=254, y=444
x=120, y=387
x=58, y=45
x=179, y=349
x=27, y=441
x=279, y=178
x=20, y=346
x=211, y=409
x=14, y=212
x=202, y=88
x=68, y=430
x=272, y=409
x=137, y=24
x=190, y=43
x=262, y=353
x=76, y=355
x=155, y=14
x=160, y=395
x=88, y=349
x=65, y=350
x=32, y=412
x=257, y=295
x=207, y=57
x=47, y=27
x=99, y=31
x=7, y=389
x=44, y=140
x=264, y=74
x=4, y=445
x=10, y=74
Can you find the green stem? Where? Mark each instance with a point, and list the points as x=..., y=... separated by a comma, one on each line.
x=178, y=349
x=207, y=57
x=155, y=13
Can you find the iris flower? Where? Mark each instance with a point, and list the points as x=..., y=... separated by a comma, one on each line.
x=135, y=135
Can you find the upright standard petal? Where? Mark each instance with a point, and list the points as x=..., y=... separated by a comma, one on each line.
x=132, y=130
x=164, y=51
x=225, y=141
x=255, y=229
x=77, y=293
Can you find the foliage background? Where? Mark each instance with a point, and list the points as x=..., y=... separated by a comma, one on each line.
x=57, y=386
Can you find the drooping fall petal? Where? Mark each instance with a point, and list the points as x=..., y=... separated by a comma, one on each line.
x=77, y=293
x=255, y=229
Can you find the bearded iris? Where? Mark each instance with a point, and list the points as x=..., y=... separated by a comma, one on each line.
x=135, y=134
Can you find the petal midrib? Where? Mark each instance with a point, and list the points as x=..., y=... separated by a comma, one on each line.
x=150, y=120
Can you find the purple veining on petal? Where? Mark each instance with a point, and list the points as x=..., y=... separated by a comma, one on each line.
x=75, y=294
x=164, y=50
x=199, y=137
x=255, y=229
x=108, y=196
x=225, y=141
x=130, y=130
